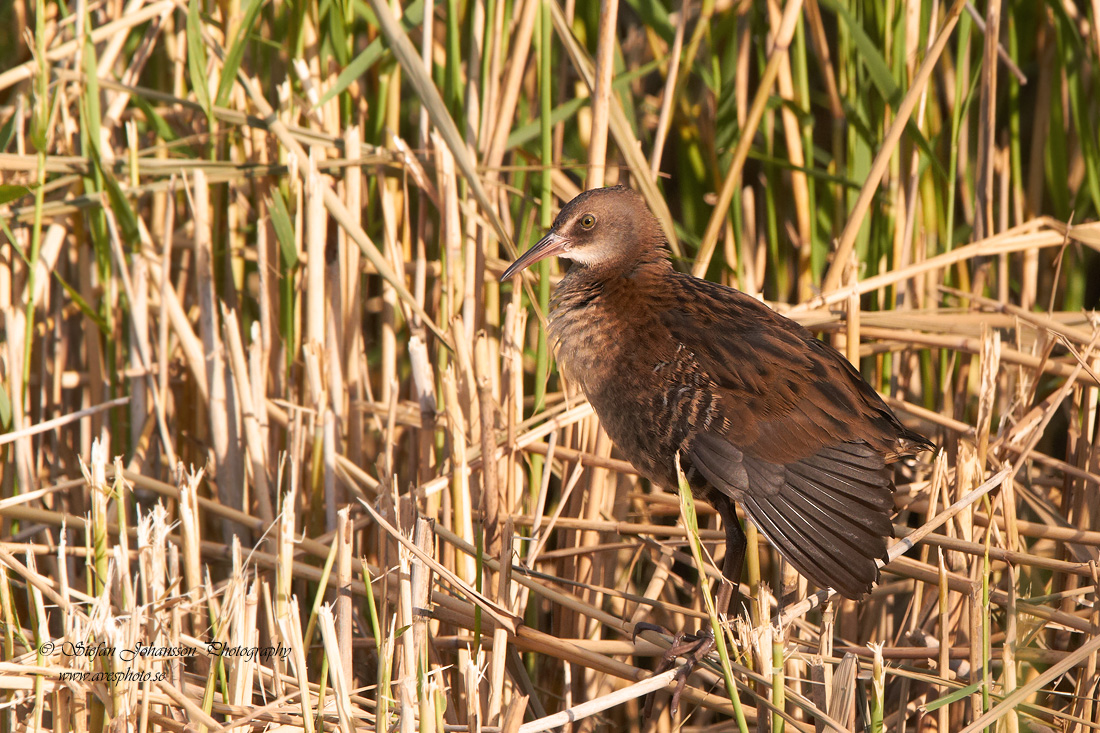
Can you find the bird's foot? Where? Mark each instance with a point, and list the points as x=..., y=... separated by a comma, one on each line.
x=692, y=647
x=646, y=626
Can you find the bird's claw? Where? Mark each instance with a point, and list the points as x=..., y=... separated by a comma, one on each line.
x=646, y=626
x=694, y=648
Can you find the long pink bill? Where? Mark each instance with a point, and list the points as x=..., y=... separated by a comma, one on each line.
x=550, y=245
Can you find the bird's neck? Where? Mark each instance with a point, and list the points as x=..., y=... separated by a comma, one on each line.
x=593, y=308
x=588, y=299
x=644, y=270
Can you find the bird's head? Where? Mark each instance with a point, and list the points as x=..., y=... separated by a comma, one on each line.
x=606, y=230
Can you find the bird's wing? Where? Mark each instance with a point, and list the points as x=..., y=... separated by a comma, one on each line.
x=800, y=440
x=828, y=514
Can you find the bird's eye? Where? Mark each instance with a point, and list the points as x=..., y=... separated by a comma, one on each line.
x=588, y=221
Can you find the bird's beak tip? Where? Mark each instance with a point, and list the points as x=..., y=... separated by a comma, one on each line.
x=511, y=271
x=550, y=245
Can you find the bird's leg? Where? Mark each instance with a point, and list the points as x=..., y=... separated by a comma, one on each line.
x=736, y=544
x=695, y=647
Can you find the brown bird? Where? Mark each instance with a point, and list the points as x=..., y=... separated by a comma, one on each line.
x=762, y=413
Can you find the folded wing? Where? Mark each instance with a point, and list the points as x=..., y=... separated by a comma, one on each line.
x=802, y=441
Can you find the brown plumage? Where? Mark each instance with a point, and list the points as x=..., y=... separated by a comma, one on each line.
x=762, y=413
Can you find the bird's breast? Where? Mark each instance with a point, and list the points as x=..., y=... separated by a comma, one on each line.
x=584, y=340
x=646, y=389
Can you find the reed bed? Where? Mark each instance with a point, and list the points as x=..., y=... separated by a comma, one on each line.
x=280, y=453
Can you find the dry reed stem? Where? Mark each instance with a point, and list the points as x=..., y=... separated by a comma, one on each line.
x=257, y=451
x=601, y=93
x=777, y=53
x=620, y=130
x=107, y=30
